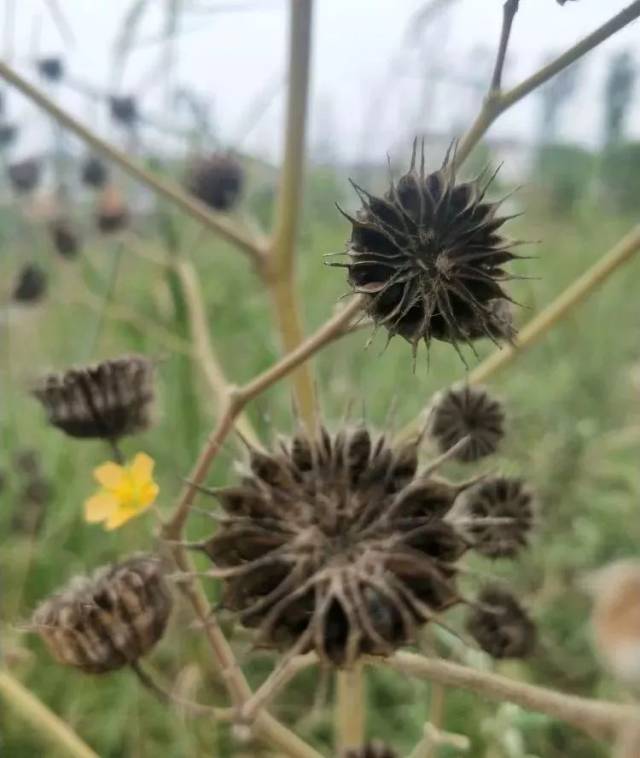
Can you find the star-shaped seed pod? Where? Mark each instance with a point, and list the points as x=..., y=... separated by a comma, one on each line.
x=500, y=625
x=339, y=543
x=105, y=400
x=429, y=257
x=108, y=620
x=467, y=411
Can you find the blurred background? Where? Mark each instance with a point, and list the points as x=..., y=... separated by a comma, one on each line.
x=84, y=276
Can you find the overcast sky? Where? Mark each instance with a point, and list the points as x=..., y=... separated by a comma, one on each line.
x=372, y=75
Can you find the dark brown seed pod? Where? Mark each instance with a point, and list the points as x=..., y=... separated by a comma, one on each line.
x=108, y=620
x=8, y=134
x=467, y=411
x=336, y=544
x=124, y=109
x=375, y=749
x=500, y=625
x=429, y=257
x=65, y=240
x=498, y=514
x=24, y=175
x=51, y=68
x=31, y=284
x=106, y=400
x=216, y=180
x=94, y=172
x=112, y=212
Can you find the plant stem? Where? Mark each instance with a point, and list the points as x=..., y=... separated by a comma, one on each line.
x=218, y=223
x=496, y=103
x=350, y=708
x=509, y=10
x=282, y=267
x=598, y=718
x=42, y=720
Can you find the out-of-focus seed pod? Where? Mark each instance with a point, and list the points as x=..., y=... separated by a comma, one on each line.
x=216, y=180
x=31, y=284
x=501, y=626
x=25, y=175
x=112, y=213
x=106, y=400
x=124, y=109
x=51, y=68
x=8, y=134
x=65, y=240
x=94, y=172
x=109, y=620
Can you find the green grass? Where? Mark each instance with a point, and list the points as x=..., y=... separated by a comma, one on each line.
x=570, y=400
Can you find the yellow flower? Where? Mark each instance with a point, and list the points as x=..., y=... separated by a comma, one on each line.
x=126, y=491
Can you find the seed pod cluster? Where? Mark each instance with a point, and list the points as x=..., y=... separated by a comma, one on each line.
x=108, y=620
x=106, y=400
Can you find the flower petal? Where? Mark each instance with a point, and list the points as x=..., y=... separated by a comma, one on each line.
x=121, y=515
x=99, y=507
x=148, y=494
x=141, y=469
x=109, y=475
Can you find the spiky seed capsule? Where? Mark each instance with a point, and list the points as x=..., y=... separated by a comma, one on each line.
x=498, y=513
x=123, y=109
x=8, y=134
x=109, y=620
x=375, y=749
x=500, y=625
x=31, y=284
x=216, y=180
x=466, y=410
x=94, y=172
x=112, y=212
x=106, y=400
x=429, y=257
x=64, y=238
x=51, y=68
x=25, y=175
x=337, y=544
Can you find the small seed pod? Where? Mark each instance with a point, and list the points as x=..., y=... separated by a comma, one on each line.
x=123, y=109
x=429, y=256
x=498, y=514
x=65, y=240
x=112, y=212
x=109, y=620
x=106, y=400
x=462, y=411
x=8, y=134
x=51, y=68
x=216, y=180
x=33, y=500
x=501, y=626
x=25, y=175
x=31, y=284
x=94, y=172
x=375, y=749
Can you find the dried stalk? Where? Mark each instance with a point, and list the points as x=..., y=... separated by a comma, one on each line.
x=217, y=223
x=282, y=269
x=42, y=720
x=349, y=712
x=598, y=718
x=497, y=102
x=509, y=10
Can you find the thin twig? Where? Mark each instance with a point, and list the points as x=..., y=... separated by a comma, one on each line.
x=598, y=718
x=218, y=223
x=509, y=10
x=496, y=103
x=42, y=720
x=282, y=268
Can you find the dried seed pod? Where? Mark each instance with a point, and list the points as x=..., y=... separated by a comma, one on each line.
x=94, y=172
x=112, y=212
x=216, y=180
x=124, y=109
x=33, y=499
x=466, y=410
x=109, y=620
x=429, y=257
x=51, y=68
x=375, y=749
x=31, y=284
x=106, y=400
x=334, y=543
x=498, y=514
x=501, y=626
x=8, y=134
x=25, y=175
x=64, y=238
